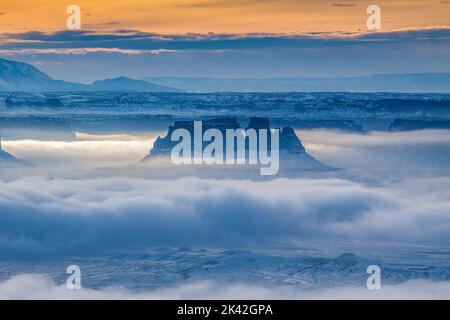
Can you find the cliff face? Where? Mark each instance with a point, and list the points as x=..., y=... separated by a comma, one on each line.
x=163, y=146
x=290, y=143
x=6, y=158
x=29, y=99
x=292, y=151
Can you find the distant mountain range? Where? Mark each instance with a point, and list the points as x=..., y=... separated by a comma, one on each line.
x=128, y=84
x=20, y=76
x=409, y=83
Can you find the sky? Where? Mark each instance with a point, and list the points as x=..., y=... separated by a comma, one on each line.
x=226, y=39
x=221, y=16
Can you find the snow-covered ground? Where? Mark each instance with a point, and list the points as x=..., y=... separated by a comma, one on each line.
x=309, y=236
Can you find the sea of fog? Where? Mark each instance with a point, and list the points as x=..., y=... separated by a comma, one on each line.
x=310, y=237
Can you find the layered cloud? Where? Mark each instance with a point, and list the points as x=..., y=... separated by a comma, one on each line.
x=377, y=138
x=41, y=217
x=91, y=150
x=410, y=152
x=134, y=40
x=86, y=56
x=31, y=286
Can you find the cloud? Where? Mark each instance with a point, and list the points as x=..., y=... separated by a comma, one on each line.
x=377, y=138
x=343, y=5
x=400, y=153
x=32, y=286
x=41, y=217
x=91, y=150
x=83, y=51
x=87, y=56
x=227, y=4
x=137, y=40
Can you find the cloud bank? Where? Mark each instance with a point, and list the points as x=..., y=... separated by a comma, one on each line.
x=86, y=56
x=40, y=217
x=108, y=150
x=133, y=39
x=31, y=286
x=409, y=152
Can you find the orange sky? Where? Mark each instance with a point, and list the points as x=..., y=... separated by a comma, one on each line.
x=221, y=16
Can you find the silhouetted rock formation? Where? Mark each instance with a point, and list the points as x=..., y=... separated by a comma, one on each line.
x=292, y=152
x=258, y=123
